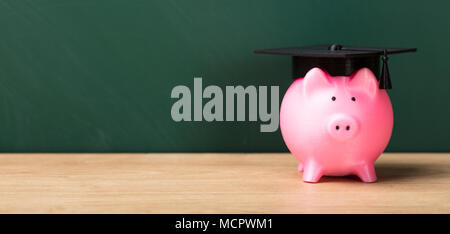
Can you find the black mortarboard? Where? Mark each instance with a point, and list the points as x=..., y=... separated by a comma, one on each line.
x=339, y=60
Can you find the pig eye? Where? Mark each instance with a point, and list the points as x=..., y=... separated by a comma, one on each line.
x=333, y=98
x=353, y=99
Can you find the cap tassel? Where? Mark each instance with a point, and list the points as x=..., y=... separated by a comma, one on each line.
x=385, y=79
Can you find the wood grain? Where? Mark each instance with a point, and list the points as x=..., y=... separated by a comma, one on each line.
x=215, y=183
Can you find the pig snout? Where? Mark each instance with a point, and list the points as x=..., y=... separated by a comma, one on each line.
x=343, y=127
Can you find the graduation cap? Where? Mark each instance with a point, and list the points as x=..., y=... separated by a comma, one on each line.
x=339, y=60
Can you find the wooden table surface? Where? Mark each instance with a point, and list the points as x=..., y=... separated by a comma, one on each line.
x=215, y=183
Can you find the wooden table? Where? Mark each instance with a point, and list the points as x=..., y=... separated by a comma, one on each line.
x=215, y=183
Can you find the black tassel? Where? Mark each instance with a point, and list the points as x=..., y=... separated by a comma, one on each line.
x=385, y=79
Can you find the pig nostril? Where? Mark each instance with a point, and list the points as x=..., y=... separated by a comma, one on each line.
x=337, y=127
x=348, y=128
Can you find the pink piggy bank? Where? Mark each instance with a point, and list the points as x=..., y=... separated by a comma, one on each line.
x=336, y=126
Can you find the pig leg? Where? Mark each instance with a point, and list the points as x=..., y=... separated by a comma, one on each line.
x=300, y=166
x=312, y=172
x=366, y=173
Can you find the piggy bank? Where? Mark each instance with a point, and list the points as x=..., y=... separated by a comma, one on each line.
x=336, y=126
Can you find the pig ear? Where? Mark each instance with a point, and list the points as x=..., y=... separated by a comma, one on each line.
x=365, y=81
x=315, y=79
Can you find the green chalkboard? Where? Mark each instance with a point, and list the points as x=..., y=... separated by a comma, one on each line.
x=97, y=75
